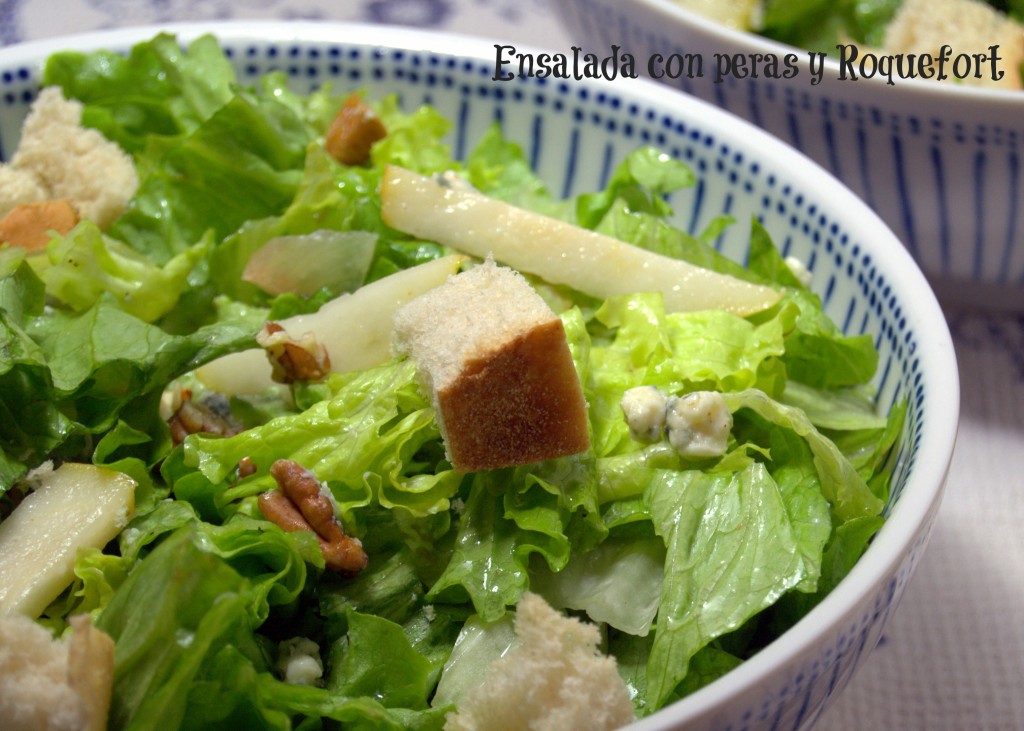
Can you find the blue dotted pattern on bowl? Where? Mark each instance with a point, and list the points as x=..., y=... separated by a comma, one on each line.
x=574, y=136
x=17, y=90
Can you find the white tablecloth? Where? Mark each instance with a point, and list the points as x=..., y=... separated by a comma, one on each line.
x=953, y=656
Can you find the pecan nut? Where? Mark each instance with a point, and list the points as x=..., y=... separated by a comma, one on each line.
x=191, y=417
x=299, y=504
x=246, y=467
x=293, y=360
x=353, y=131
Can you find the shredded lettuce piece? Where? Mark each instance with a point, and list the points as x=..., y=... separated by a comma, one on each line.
x=847, y=492
x=617, y=583
x=70, y=376
x=365, y=441
x=84, y=264
x=731, y=553
x=157, y=91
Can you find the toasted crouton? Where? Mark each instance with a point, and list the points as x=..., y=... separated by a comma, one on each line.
x=74, y=162
x=553, y=678
x=18, y=187
x=495, y=360
x=353, y=131
x=54, y=684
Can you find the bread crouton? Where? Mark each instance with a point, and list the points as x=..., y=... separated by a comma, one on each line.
x=54, y=684
x=74, y=162
x=495, y=360
x=18, y=187
x=968, y=26
x=553, y=678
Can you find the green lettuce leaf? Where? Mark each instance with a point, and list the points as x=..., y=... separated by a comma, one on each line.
x=356, y=713
x=498, y=168
x=731, y=553
x=618, y=583
x=244, y=162
x=84, y=264
x=373, y=441
x=478, y=645
x=415, y=140
x=31, y=426
x=69, y=376
x=818, y=354
x=488, y=566
x=639, y=183
x=676, y=352
x=379, y=662
x=178, y=606
x=156, y=90
x=845, y=489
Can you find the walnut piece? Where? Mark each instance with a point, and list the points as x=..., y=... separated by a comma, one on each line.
x=246, y=467
x=292, y=360
x=353, y=131
x=198, y=418
x=300, y=504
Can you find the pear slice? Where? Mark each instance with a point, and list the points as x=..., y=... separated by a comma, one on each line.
x=304, y=263
x=74, y=506
x=454, y=214
x=355, y=329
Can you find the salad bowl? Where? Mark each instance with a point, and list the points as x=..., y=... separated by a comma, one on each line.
x=937, y=161
x=573, y=134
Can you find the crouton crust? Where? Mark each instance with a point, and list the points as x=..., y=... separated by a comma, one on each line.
x=516, y=404
x=30, y=225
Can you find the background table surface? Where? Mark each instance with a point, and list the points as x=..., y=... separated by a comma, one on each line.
x=953, y=656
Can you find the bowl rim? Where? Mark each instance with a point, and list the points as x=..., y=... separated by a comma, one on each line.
x=910, y=517
x=912, y=89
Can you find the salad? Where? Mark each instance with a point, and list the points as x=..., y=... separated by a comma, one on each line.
x=689, y=563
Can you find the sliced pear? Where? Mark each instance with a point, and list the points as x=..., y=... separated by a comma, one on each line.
x=355, y=329
x=74, y=506
x=306, y=262
x=561, y=253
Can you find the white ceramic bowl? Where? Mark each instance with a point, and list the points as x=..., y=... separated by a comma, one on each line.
x=574, y=133
x=941, y=163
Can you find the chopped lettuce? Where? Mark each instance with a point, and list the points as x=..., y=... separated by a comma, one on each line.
x=617, y=583
x=158, y=91
x=83, y=265
x=478, y=645
x=69, y=378
x=374, y=441
x=731, y=552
